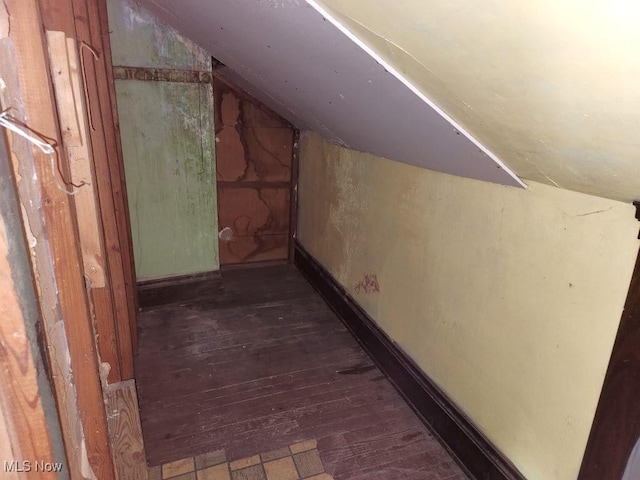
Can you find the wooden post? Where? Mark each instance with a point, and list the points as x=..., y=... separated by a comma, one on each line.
x=62, y=241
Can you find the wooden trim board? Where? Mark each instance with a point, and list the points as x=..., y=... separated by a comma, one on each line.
x=125, y=431
x=161, y=75
x=293, y=201
x=473, y=450
x=69, y=301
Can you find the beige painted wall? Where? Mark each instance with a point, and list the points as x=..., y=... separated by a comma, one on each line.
x=550, y=86
x=508, y=299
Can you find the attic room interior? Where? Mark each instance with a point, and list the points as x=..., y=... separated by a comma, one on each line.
x=319, y=239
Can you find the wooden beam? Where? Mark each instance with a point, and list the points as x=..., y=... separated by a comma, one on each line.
x=59, y=217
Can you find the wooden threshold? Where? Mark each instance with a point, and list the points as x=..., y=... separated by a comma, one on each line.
x=437, y=411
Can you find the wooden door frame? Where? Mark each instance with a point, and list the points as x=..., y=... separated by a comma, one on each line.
x=67, y=308
x=616, y=425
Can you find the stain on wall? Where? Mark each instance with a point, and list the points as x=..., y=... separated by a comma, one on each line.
x=167, y=136
x=508, y=299
x=254, y=149
x=368, y=284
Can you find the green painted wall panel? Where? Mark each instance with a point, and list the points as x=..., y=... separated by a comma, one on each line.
x=167, y=136
x=139, y=39
x=170, y=176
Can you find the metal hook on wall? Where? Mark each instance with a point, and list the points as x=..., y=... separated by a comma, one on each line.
x=16, y=126
x=96, y=55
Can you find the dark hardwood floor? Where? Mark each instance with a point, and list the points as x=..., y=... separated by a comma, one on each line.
x=263, y=363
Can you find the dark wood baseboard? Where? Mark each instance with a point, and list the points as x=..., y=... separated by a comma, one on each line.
x=163, y=291
x=475, y=452
x=248, y=265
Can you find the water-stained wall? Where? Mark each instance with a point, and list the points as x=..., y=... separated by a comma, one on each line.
x=254, y=160
x=167, y=132
x=508, y=299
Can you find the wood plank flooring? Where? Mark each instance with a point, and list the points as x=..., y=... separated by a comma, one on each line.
x=263, y=363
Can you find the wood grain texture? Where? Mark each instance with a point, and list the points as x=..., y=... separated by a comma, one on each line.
x=64, y=65
x=59, y=217
x=125, y=431
x=64, y=54
x=616, y=426
x=160, y=75
x=120, y=239
x=114, y=308
x=478, y=455
x=254, y=154
x=32, y=218
x=26, y=436
x=107, y=163
x=264, y=364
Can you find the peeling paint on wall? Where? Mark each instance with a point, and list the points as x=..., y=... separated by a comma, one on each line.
x=167, y=139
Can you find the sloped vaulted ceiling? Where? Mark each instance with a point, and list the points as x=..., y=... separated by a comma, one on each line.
x=286, y=54
x=549, y=87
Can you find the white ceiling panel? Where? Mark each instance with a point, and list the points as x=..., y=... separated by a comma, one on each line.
x=299, y=62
